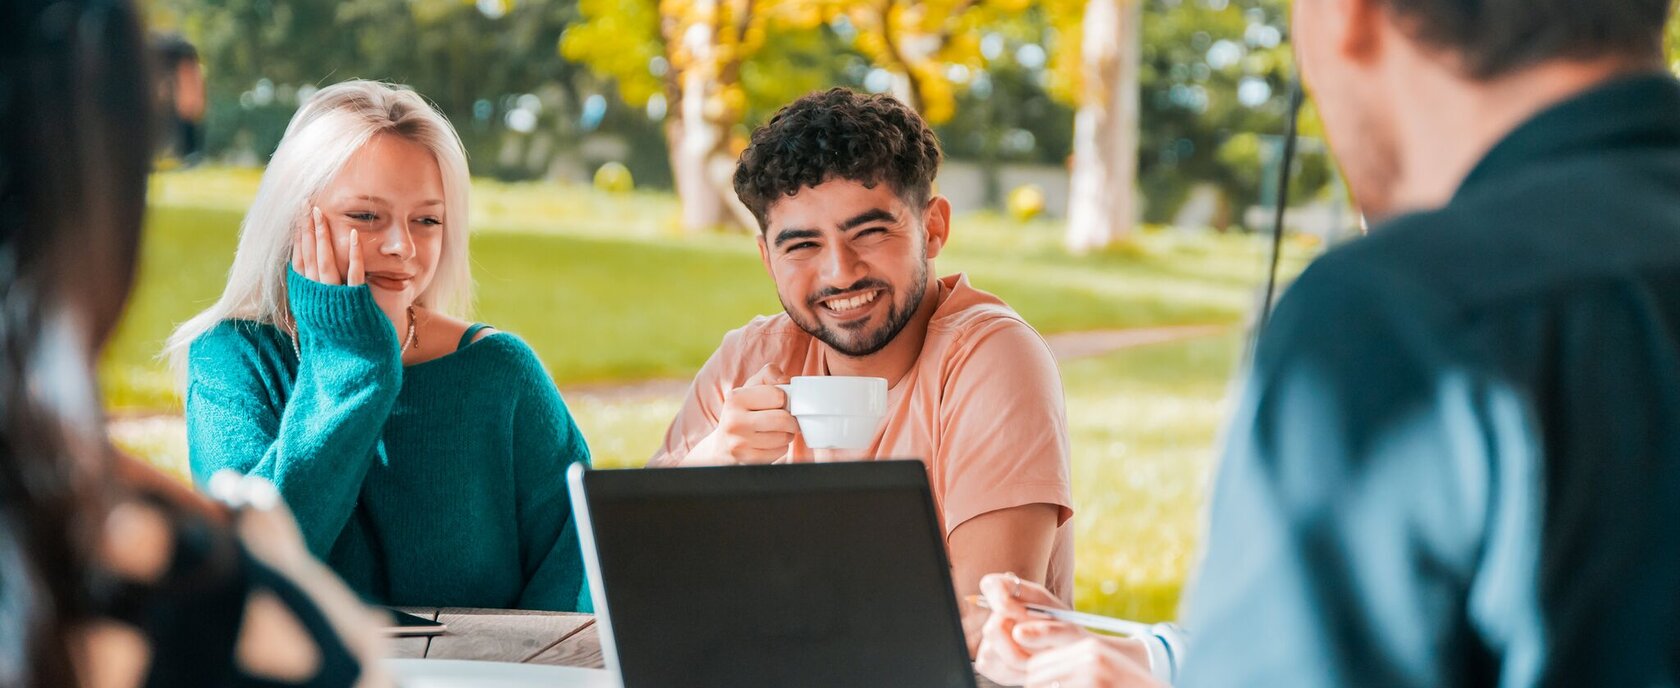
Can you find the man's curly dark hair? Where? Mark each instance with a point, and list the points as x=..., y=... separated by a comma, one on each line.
x=838, y=134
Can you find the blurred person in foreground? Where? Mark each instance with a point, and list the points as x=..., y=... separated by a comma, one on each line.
x=425, y=454
x=1457, y=458
x=110, y=573
x=849, y=227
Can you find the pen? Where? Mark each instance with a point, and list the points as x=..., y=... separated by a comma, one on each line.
x=1094, y=622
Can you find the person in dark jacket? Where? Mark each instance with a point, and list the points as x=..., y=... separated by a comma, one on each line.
x=1457, y=458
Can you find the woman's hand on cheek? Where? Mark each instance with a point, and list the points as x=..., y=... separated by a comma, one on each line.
x=314, y=258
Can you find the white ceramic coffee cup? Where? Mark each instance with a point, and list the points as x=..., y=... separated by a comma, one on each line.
x=837, y=411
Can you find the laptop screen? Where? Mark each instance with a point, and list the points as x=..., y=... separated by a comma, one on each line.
x=804, y=575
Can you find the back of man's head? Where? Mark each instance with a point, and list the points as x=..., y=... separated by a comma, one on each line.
x=1492, y=38
x=838, y=134
x=1413, y=92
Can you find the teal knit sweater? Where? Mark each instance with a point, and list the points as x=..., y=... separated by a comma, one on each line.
x=436, y=484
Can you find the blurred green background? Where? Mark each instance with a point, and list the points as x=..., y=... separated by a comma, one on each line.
x=618, y=253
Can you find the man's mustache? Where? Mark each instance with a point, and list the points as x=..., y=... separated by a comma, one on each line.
x=865, y=284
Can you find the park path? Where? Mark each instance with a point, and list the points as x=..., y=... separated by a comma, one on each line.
x=1066, y=346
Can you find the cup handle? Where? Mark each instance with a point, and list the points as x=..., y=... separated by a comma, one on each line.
x=787, y=396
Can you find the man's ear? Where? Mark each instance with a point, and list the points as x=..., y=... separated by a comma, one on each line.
x=1346, y=32
x=1359, y=26
x=764, y=251
x=936, y=225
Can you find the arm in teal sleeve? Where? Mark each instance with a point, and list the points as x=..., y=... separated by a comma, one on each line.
x=546, y=443
x=1349, y=509
x=318, y=447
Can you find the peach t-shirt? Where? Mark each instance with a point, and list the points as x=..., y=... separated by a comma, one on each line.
x=982, y=407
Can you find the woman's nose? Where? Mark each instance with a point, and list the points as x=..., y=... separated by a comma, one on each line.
x=398, y=242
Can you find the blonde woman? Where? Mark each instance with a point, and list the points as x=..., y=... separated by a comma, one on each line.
x=423, y=455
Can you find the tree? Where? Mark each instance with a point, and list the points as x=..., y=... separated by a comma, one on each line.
x=1102, y=202
x=689, y=54
x=999, y=79
x=479, y=62
x=918, y=41
x=700, y=55
x=1212, y=81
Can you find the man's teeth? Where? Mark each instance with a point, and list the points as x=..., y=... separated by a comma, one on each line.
x=846, y=304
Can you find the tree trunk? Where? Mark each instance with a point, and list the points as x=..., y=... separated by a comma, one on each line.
x=696, y=136
x=691, y=144
x=905, y=89
x=902, y=53
x=1102, y=203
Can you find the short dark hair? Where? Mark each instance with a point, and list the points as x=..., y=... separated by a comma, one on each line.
x=1497, y=37
x=173, y=49
x=838, y=134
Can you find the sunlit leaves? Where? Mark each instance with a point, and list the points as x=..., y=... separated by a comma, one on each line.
x=619, y=39
x=916, y=41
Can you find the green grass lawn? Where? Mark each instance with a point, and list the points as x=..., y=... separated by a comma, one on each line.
x=640, y=302
x=1142, y=424
x=605, y=291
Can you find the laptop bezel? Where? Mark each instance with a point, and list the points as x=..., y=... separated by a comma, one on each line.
x=592, y=568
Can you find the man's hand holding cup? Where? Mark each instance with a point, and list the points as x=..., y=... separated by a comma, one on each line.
x=755, y=426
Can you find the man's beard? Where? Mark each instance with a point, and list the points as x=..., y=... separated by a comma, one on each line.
x=874, y=341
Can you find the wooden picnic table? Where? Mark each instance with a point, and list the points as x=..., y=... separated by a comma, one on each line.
x=505, y=635
x=510, y=635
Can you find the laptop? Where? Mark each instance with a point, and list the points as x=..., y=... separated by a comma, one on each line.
x=808, y=575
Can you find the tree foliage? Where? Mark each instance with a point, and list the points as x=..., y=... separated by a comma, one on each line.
x=478, y=61
x=999, y=78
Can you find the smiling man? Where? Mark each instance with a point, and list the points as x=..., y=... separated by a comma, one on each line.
x=841, y=184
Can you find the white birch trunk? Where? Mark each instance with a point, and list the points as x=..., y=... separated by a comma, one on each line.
x=1102, y=202
x=694, y=137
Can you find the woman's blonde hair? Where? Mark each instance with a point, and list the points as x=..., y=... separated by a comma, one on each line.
x=325, y=132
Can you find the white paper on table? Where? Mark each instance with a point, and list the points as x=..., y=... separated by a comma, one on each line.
x=458, y=673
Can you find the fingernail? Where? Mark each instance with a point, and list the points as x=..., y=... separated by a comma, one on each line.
x=260, y=493
x=224, y=485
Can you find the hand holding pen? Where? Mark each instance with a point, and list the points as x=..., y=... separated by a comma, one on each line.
x=1029, y=640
